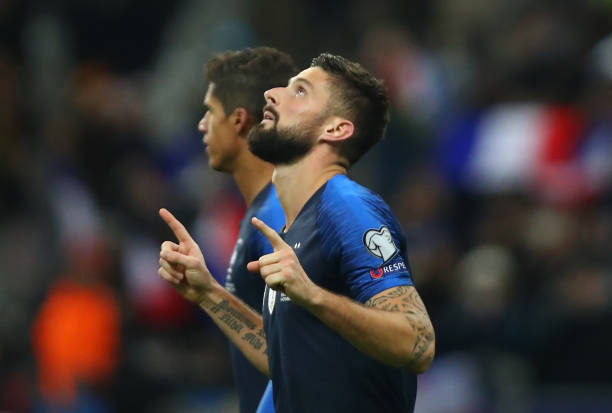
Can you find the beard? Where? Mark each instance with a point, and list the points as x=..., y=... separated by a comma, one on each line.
x=282, y=146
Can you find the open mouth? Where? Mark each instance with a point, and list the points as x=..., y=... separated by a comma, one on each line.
x=269, y=114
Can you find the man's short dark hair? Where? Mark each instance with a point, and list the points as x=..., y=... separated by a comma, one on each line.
x=242, y=77
x=358, y=96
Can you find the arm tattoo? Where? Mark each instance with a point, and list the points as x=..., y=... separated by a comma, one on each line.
x=253, y=341
x=406, y=300
x=237, y=321
x=233, y=313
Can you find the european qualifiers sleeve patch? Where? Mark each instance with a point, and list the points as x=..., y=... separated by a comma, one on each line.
x=379, y=243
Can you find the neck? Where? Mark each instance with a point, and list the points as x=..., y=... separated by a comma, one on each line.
x=296, y=183
x=251, y=175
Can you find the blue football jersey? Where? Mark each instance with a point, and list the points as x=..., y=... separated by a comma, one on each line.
x=249, y=287
x=348, y=242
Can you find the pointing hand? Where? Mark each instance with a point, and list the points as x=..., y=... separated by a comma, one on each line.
x=281, y=270
x=183, y=264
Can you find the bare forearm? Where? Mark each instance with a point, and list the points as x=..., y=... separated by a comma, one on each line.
x=184, y=267
x=391, y=334
x=373, y=332
x=240, y=323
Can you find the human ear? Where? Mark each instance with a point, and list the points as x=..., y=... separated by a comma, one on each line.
x=337, y=129
x=240, y=119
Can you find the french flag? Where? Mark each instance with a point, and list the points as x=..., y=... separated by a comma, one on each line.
x=541, y=149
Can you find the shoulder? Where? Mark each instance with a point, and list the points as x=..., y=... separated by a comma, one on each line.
x=360, y=234
x=349, y=211
x=347, y=203
x=270, y=210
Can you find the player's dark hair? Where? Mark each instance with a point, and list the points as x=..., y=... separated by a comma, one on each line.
x=242, y=77
x=359, y=97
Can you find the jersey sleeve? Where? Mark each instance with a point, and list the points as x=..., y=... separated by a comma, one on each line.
x=362, y=237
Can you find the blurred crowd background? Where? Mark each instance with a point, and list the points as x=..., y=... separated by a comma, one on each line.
x=497, y=161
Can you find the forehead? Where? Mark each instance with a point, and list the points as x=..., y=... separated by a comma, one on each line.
x=315, y=76
x=210, y=99
x=210, y=93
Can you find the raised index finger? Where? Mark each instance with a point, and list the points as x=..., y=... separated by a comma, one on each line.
x=175, y=225
x=275, y=240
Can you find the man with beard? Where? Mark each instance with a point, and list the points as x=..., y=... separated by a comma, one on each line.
x=237, y=81
x=343, y=328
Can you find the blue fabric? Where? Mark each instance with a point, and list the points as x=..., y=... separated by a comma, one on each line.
x=348, y=242
x=346, y=213
x=456, y=147
x=266, y=405
x=249, y=287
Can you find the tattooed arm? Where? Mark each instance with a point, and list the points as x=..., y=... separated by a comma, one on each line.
x=240, y=323
x=184, y=267
x=392, y=327
x=406, y=301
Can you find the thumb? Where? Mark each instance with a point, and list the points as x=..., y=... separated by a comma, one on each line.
x=272, y=236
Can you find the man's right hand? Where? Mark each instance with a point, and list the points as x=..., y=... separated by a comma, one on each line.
x=183, y=264
x=184, y=267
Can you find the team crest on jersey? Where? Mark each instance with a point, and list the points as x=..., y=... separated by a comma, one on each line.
x=379, y=243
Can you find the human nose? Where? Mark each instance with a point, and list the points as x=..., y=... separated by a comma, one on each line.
x=272, y=96
x=203, y=124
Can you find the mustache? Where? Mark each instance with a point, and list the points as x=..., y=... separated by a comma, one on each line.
x=271, y=109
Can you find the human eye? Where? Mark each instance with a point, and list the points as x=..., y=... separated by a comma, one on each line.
x=300, y=91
